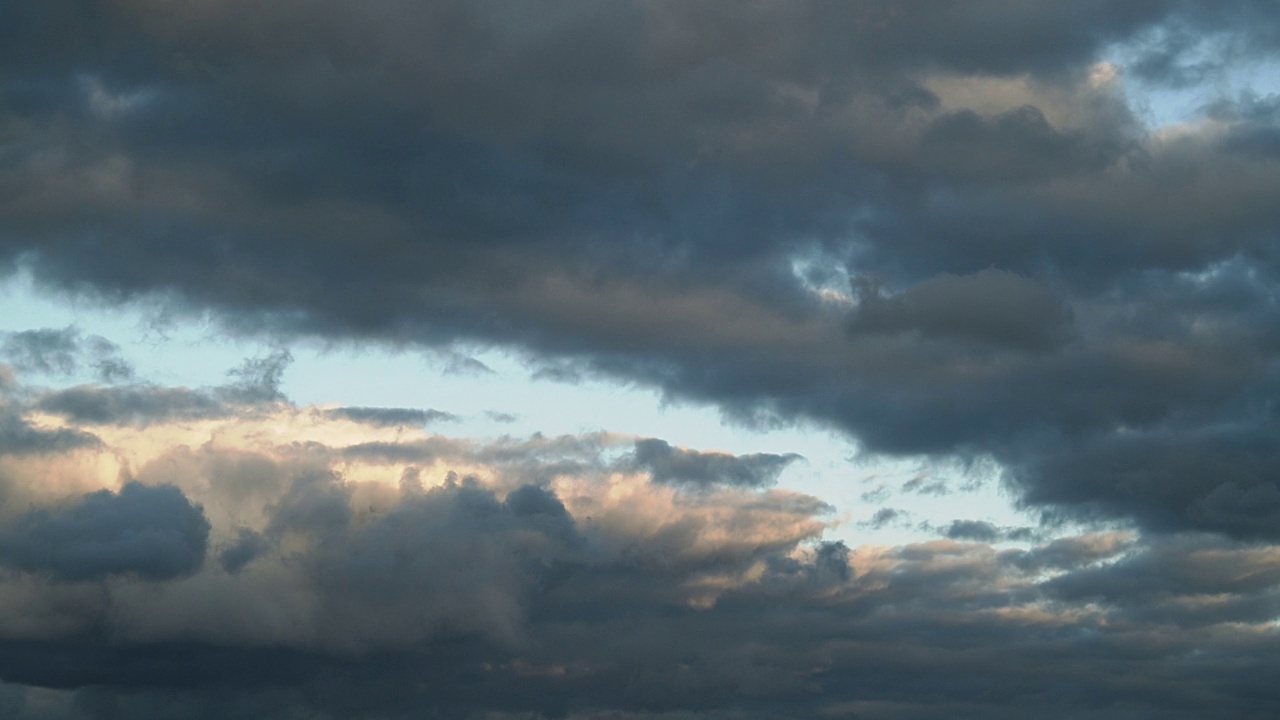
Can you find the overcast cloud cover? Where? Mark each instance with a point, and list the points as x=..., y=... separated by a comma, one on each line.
x=947, y=230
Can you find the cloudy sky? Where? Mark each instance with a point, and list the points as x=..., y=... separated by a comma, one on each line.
x=878, y=359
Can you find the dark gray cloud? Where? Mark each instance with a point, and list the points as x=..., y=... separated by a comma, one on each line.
x=19, y=437
x=489, y=598
x=247, y=547
x=979, y=530
x=130, y=404
x=991, y=306
x=940, y=628
x=392, y=417
x=151, y=532
x=668, y=464
x=626, y=192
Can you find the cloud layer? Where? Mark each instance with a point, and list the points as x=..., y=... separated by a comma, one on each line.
x=942, y=229
x=275, y=559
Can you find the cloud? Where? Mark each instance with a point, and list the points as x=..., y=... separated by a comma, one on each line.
x=18, y=437
x=392, y=417
x=337, y=575
x=152, y=532
x=680, y=465
x=257, y=380
x=979, y=530
x=632, y=193
x=991, y=306
x=63, y=352
x=131, y=404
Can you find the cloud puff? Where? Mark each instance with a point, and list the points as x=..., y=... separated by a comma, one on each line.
x=151, y=532
x=681, y=465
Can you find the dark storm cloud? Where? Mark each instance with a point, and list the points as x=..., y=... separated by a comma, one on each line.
x=1013, y=146
x=991, y=306
x=152, y=532
x=670, y=464
x=622, y=192
x=634, y=191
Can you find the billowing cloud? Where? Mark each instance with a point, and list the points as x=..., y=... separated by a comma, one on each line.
x=153, y=532
x=282, y=571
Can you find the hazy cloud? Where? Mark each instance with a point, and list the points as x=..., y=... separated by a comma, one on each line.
x=64, y=352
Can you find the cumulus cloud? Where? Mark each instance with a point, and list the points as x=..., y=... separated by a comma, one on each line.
x=282, y=572
x=153, y=532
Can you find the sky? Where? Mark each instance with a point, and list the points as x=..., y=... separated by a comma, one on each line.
x=639, y=360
